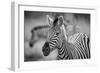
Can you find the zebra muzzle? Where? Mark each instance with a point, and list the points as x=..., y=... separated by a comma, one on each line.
x=46, y=49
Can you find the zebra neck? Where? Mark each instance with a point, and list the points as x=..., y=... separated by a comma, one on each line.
x=61, y=45
x=64, y=52
x=61, y=52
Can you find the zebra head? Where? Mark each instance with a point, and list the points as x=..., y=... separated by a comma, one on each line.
x=54, y=39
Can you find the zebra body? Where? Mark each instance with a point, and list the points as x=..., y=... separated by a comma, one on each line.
x=77, y=47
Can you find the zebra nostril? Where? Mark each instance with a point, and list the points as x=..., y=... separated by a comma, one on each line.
x=45, y=50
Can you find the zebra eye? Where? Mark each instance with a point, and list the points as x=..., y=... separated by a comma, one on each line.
x=57, y=33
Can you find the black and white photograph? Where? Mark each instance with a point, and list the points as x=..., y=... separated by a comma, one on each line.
x=56, y=36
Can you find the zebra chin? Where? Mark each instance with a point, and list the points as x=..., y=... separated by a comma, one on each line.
x=46, y=49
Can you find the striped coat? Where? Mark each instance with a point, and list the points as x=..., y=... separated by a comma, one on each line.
x=77, y=47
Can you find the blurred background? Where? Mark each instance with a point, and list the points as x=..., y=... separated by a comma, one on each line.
x=36, y=29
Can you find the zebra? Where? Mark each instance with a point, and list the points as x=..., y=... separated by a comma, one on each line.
x=39, y=35
x=76, y=48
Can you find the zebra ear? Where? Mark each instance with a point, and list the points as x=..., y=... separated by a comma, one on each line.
x=49, y=20
x=60, y=20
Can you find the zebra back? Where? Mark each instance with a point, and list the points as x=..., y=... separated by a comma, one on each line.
x=77, y=47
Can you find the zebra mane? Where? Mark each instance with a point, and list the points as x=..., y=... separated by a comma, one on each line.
x=64, y=32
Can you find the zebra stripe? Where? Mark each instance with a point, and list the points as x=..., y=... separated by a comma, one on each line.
x=81, y=45
x=77, y=49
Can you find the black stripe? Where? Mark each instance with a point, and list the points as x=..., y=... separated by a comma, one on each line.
x=82, y=49
x=85, y=42
x=88, y=41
